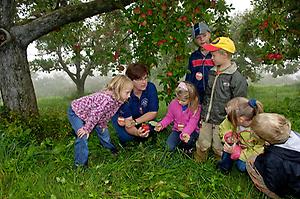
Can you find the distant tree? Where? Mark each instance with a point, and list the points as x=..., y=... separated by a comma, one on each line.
x=81, y=48
x=22, y=22
x=269, y=36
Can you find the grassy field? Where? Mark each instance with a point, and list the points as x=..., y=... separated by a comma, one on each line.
x=36, y=160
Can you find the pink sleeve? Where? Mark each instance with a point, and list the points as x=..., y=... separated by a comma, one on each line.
x=169, y=117
x=192, y=124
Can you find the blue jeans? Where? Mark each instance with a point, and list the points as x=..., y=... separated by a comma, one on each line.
x=81, y=144
x=124, y=136
x=226, y=163
x=174, y=140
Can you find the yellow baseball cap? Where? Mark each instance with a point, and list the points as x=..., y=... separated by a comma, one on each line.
x=224, y=43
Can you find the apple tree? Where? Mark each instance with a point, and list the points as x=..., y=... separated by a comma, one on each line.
x=161, y=34
x=83, y=48
x=269, y=36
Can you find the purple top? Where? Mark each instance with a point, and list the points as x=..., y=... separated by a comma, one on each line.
x=96, y=109
x=188, y=118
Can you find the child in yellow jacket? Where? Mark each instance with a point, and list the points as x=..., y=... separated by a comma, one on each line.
x=239, y=140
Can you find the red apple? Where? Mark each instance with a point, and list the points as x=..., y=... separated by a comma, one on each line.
x=76, y=47
x=183, y=18
x=213, y=4
x=149, y=12
x=196, y=10
x=116, y=55
x=278, y=56
x=169, y=74
x=146, y=127
x=164, y=6
x=144, y=23
x=143, y=15
x=121, y=121
x=137, y=10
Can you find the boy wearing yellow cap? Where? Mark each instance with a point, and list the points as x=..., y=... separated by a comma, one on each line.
x=224, y=83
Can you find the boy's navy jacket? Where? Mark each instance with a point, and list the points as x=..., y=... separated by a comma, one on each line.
x=280, y=169
x=199, y=63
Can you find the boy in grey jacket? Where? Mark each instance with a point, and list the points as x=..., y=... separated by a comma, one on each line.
x=225, y=82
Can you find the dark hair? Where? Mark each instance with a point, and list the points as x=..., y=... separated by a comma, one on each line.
x=137, y=71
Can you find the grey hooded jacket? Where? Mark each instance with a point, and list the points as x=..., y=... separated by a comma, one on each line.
x=220, y=89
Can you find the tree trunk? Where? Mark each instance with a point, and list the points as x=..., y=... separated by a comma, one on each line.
x=80, y=87
x=15, y=81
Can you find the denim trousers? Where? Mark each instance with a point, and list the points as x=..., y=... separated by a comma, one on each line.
x=81, y=144
x=174, y=140
x=124, y=136
x=226, y=163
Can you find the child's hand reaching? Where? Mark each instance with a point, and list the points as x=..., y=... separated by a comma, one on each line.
x=228, y=148
x=81, y=132
x=158, y=127
x=185, y=137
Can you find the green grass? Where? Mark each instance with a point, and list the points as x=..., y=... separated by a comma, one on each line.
x=36, y=160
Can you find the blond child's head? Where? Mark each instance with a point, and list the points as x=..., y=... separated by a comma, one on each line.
x=186, y=94
x=271, y=127
x=243, y=113
x=121, y=86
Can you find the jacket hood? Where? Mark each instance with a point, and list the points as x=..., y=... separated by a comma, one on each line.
x=230, y=70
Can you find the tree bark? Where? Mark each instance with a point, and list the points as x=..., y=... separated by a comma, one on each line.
x=15, y=81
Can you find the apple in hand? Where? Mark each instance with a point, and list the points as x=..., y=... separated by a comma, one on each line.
x=146, y=127
x=121, y=121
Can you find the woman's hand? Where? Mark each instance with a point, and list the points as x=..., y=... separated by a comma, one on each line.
x=81, y=132
x=142, y=133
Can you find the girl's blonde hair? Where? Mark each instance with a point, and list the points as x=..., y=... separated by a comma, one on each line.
x=117, y=84
x=247, y=109
x=187, y=91
x=271, y=127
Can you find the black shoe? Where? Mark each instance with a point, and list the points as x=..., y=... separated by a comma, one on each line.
x=80, y=167
x=114, y=151
x=222, y=169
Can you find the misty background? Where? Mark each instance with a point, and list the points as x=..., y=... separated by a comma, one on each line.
x=58, y=84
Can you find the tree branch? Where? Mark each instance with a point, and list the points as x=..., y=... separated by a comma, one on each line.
x=33, y=30
x=64, y=66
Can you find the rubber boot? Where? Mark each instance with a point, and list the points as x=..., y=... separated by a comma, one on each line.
x=200, y=156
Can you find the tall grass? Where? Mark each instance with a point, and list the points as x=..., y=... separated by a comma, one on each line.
x=36, y=160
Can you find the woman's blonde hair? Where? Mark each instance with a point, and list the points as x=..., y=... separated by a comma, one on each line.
x=117, y=84
x=271, y=127
x=247, y=109
x=187, y=91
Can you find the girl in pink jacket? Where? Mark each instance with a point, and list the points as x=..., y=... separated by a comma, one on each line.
x=184, y=112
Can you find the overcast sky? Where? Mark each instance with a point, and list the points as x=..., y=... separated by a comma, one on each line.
x=239, y=5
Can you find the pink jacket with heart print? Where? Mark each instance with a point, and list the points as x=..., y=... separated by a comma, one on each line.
x=96, y=109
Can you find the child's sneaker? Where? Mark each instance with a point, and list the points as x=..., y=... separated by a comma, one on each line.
x=114, y=151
